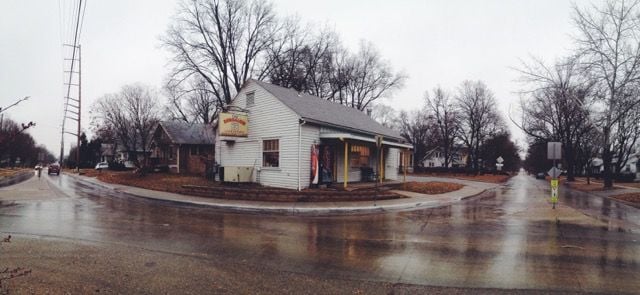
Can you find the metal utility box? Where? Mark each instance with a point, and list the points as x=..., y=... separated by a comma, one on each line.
x=238, y=174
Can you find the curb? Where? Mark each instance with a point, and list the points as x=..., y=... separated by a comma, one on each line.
x=15, y=179
x=291, y=209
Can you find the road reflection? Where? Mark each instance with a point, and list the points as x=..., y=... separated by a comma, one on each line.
x=500, y=239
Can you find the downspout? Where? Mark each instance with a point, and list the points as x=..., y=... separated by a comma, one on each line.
x=300, y=123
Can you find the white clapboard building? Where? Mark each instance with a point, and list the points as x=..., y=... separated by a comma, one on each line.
x=269, y=132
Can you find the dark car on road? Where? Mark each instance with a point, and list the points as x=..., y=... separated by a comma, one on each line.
x=540, y=175
x=53, y=169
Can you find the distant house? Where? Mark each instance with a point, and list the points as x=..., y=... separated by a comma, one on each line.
x=107, y=152
x=632, y=165
x=182, y=147
x=285, y=138
x=435, y=157
x=128, y=157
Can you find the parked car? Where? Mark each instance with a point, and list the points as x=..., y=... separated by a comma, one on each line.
x=54, y=169
x=102, y=165
x=540, y=175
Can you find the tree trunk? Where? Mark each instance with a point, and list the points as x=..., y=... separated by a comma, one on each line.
x=606, y=159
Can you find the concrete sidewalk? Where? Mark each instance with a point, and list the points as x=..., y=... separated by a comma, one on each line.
x=414, y=200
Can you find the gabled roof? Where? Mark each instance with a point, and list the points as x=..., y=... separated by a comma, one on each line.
x=323, y=112
x=180, y=132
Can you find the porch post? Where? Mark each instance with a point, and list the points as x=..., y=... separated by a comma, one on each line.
x=346, y=163
x=381, y=170
x=178, y=159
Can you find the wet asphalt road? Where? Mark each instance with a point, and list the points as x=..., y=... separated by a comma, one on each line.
x=509, y=238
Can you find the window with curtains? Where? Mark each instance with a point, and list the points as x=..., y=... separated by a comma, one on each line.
x=270, y=153
x=359, y=156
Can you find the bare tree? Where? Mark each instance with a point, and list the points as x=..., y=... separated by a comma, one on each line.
x=131, y=115
x=302, y=59
x=385, y=115
x=415, y=127
x=219, y=41
x=370, y=78
x=195, y=104
x=447, y=124
x=479, y=118
x=557, y=106
x=625, y=136
x=608, y=39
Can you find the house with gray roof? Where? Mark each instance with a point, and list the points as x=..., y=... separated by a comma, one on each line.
x=182, y=147
x=296, y=140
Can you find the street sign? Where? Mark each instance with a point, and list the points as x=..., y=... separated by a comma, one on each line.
x=554, y=172
x=554, y=150
x=500, y=160
x=499, y=166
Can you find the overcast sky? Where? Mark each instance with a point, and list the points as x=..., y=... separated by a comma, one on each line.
x=433, y=42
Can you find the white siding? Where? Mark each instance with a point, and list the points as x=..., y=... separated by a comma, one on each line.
x=392, y=163
x=268, y=119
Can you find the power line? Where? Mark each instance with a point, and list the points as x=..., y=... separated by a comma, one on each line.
x=78, y=15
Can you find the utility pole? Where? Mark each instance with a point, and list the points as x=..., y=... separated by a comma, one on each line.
x=68, y=99
x=79, y=107
x=71, y=114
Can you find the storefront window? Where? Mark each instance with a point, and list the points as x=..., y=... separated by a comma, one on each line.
x=270, y=153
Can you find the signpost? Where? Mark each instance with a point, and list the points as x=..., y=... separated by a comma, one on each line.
x=554, y=153
x=499, y=162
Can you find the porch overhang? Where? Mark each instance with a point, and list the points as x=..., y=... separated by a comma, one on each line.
x=342, y=136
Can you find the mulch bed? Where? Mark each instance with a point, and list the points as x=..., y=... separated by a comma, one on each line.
x=196, y=185
x=431, y=188
x=491, y=178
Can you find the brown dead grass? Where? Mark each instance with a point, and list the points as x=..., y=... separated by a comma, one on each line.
x=8, y=172
x=153, y=181
x=431, y=188
x=633, y=199
x=482, y=178
x=592, y=187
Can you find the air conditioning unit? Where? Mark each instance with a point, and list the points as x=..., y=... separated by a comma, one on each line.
x=238, y=174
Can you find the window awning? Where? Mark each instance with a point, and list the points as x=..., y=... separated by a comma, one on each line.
x=342, y=136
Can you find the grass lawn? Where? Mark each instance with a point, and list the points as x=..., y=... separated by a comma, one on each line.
x=431, y=188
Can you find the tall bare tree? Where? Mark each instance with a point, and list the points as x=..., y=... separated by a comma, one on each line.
x=131, y=115
x=370, y=78
x=557, y=106
x=447, y=124
x=194, y=104
x=219, y=41
x=415, y=127
x=479, y=118
x=385, y=115
x=608, y=39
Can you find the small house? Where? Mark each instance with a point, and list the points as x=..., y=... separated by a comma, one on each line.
x=182, y=147
x=284, y=138
x=435, y=157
